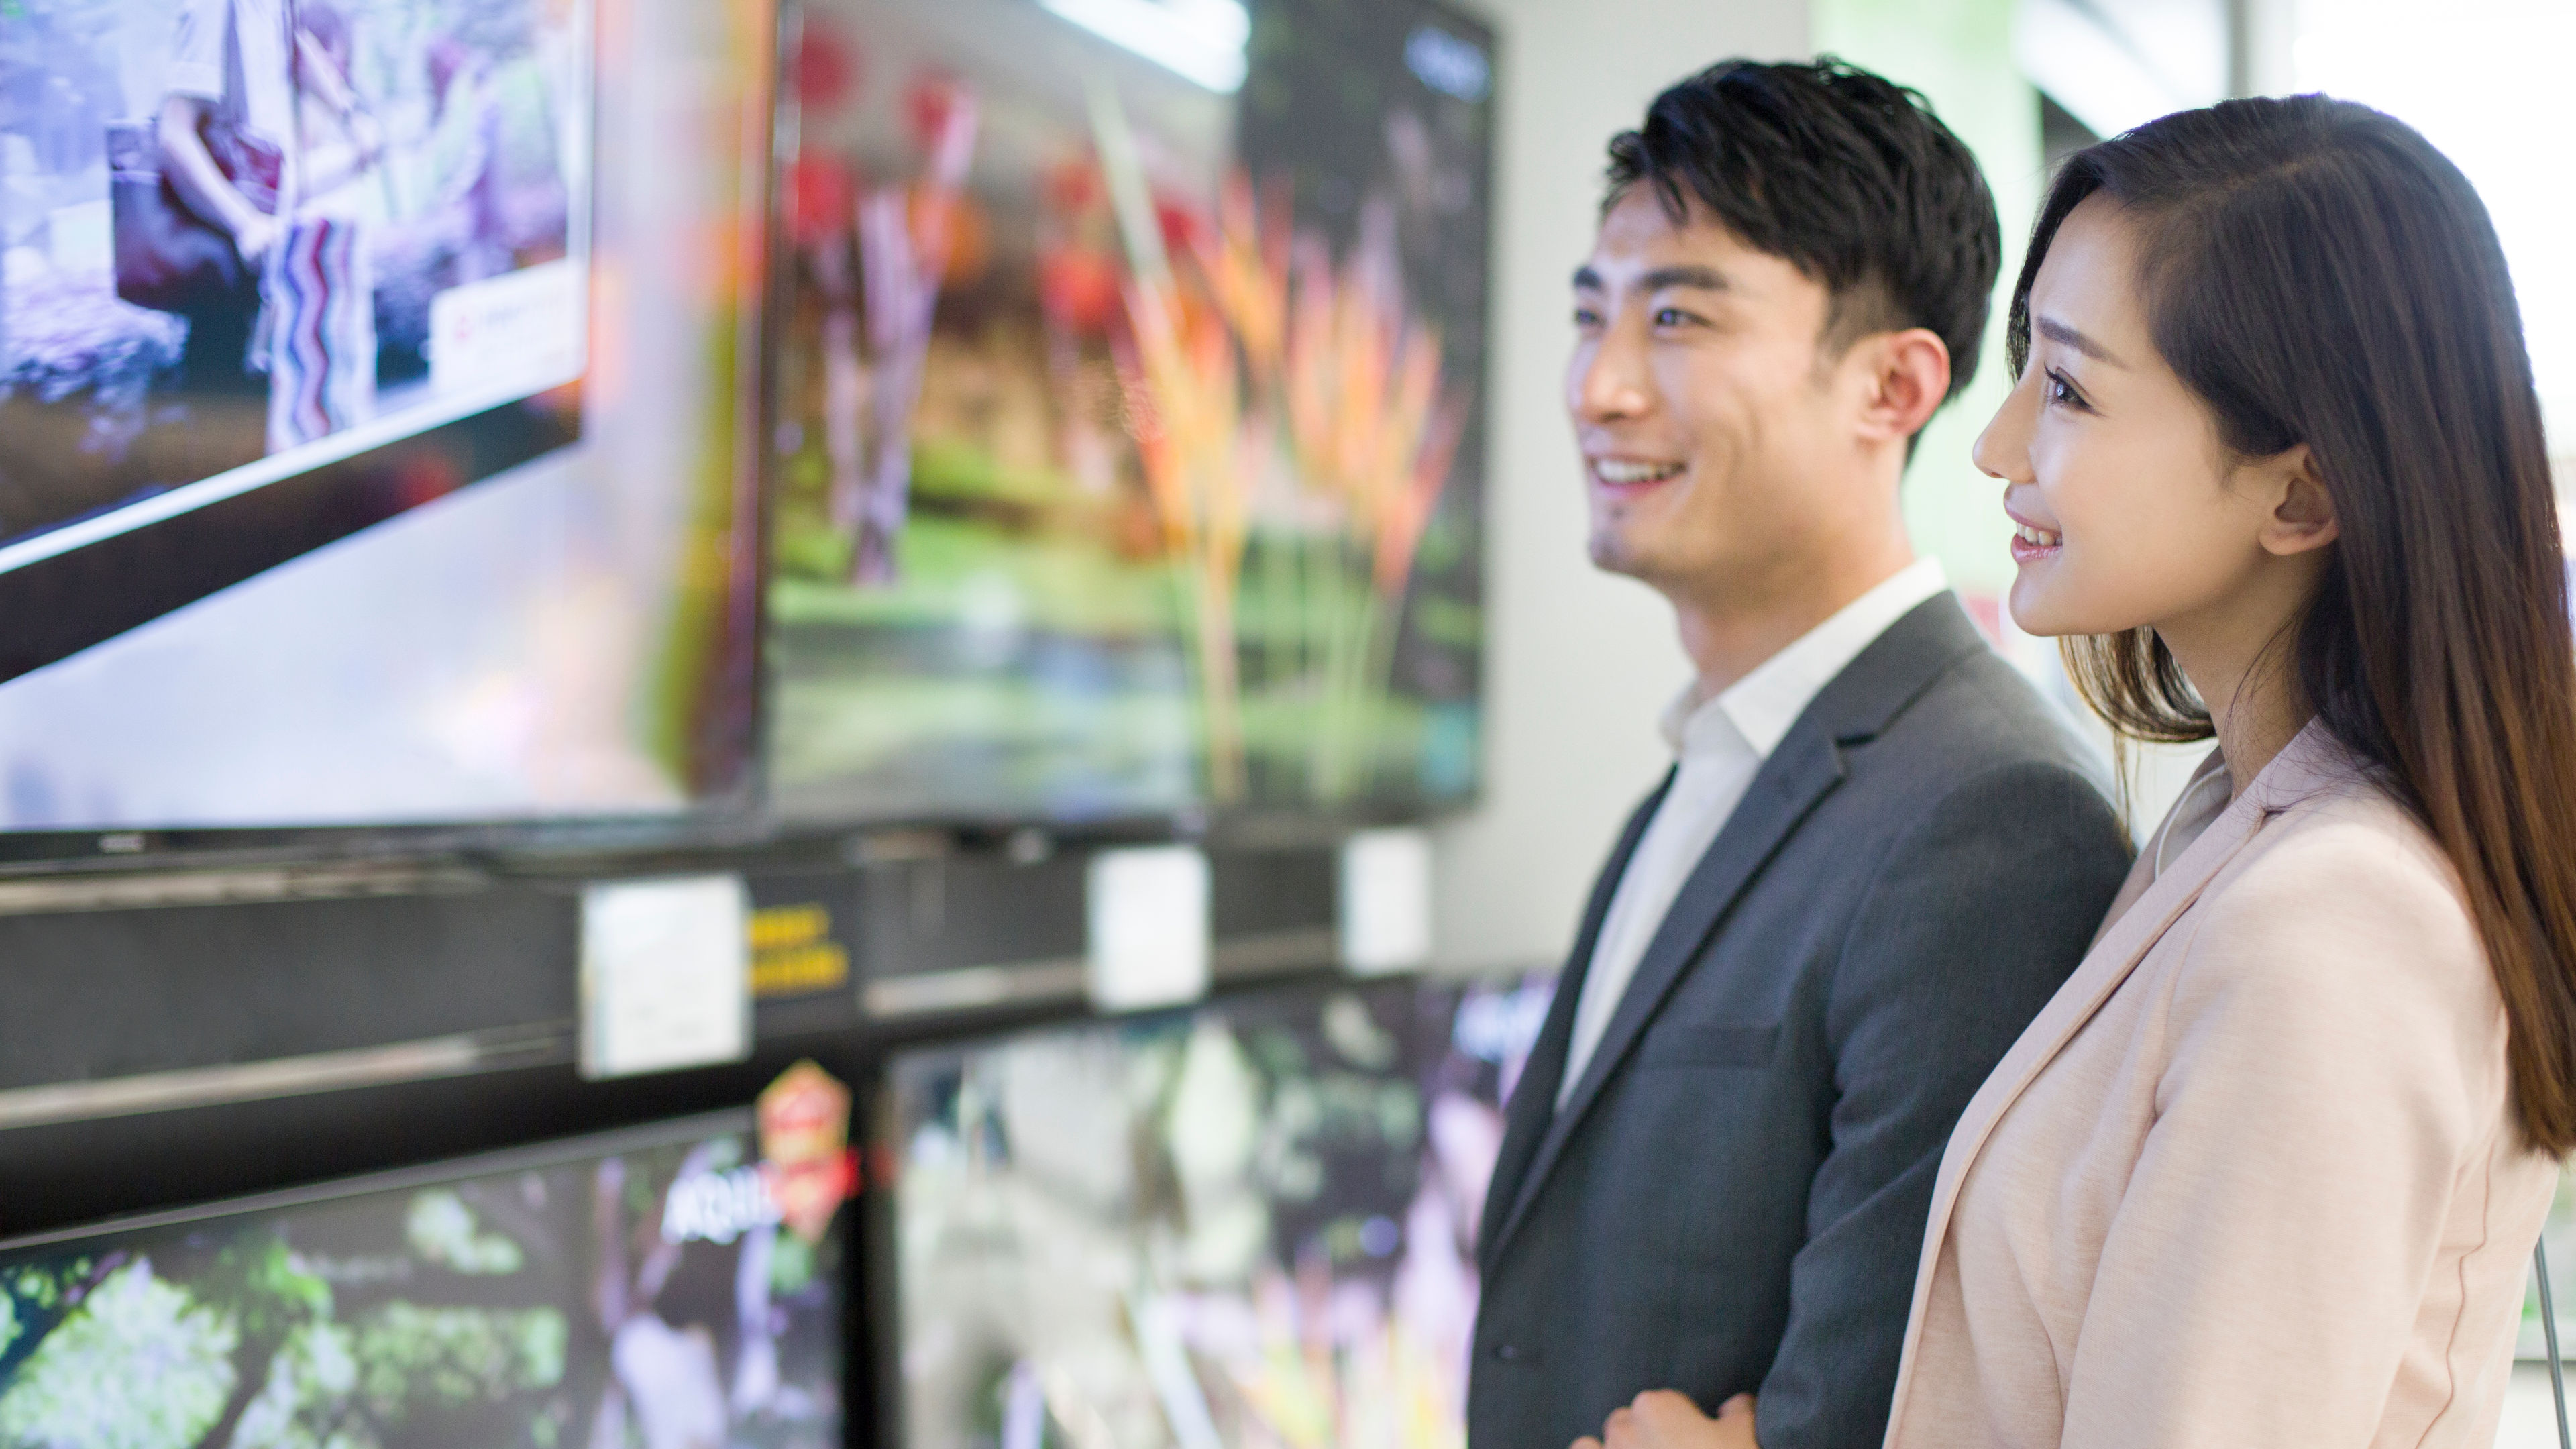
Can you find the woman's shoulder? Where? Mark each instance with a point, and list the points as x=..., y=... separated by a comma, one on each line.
x=2347, y=826
x=2343, y=912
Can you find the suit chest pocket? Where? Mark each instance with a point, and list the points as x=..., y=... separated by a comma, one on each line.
x=1675, y=1045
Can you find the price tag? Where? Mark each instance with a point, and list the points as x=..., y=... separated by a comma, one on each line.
x=1386, y=901
x=665, y=975
x=1148, y=927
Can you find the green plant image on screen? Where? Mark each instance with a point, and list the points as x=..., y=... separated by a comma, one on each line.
x=642, y=1298
x=1249, y=1224
x=1130, y=446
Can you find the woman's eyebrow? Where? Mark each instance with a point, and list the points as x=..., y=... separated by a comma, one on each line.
x=2059, y=332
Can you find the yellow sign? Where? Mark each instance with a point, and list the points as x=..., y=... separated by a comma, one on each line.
x=793, y=953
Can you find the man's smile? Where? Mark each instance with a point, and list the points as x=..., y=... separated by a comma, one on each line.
x=1628, y=476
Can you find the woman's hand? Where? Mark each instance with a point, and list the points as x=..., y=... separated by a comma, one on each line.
x=1662, y=1419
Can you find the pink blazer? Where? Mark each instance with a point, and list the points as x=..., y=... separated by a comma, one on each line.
x=2252, y=1177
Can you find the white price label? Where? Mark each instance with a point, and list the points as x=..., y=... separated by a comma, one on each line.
x=1148, y=927
x=1386, y=901
x=665, y=975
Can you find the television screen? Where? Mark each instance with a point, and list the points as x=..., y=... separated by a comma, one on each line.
x=1248, y=1224
x=376, y=385
x=1132, y=387
x=631, y=1289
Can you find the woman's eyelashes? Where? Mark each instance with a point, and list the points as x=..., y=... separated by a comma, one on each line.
x=2059, y=390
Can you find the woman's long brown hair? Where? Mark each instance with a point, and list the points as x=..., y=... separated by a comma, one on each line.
x=2317, y=273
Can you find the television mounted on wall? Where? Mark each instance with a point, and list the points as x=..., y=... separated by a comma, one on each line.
x=378, y=422
x=1129, y=460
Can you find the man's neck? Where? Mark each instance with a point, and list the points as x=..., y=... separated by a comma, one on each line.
x=1728, y=634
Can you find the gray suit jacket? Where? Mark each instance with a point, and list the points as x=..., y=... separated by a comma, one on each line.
x=1733, y=1198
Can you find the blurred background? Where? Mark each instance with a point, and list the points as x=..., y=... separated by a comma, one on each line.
x=878, y=721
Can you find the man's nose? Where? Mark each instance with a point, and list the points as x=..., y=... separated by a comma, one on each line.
x=1611, y=379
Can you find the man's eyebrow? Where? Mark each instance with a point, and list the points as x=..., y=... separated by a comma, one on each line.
x=2059, y=332
x=1705, y=279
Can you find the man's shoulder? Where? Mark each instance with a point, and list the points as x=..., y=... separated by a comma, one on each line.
x=1978, y=716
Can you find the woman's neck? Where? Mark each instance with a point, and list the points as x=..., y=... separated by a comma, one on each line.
x=2252, y=693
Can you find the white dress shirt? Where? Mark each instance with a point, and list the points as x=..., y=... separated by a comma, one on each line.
x=1719, y=745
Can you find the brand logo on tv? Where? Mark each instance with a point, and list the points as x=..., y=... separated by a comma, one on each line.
x=717, y=1207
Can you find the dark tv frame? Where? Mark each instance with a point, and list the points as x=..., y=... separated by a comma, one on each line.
x=368, y=488
x=552, y=1153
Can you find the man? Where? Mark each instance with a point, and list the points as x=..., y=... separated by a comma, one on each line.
x=1879, y=852
x=232, y=138
x=227, y=130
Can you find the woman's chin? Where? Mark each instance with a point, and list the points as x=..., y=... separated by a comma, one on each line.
x=2033, y=614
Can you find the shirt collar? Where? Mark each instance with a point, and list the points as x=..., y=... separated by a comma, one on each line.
x=1759, y=708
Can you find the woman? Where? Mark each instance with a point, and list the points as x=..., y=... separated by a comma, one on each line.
x=2268, y=1169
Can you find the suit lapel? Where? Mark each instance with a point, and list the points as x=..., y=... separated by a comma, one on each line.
x=1869, y=694
x=1526, y=1115
x=1797, y=775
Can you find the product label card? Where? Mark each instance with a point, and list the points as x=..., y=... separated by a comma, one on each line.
x=1148, y=927
x=665, y=975
x=1386, y=901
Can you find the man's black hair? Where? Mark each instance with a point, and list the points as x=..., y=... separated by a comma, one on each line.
x=1845, y=175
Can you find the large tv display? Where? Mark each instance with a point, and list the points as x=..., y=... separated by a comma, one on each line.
x=377, y=399
x=1248, y=1224
x=1132, y=390
x=636, y=1289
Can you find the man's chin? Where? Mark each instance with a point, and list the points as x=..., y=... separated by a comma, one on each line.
x=1614, y=553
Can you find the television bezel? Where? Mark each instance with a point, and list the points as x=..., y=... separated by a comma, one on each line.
x=556, y=1152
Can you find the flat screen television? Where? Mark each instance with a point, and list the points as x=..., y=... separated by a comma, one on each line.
x=378, y=384
x=1132, y=385
x=631, y=1288
x=1250, y=1223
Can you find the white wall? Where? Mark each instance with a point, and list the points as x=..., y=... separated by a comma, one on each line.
x=1577, y=663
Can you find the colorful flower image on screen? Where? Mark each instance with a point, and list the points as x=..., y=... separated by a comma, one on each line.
x=1250, y=1225
x=1131, y=406
x=644, y=1298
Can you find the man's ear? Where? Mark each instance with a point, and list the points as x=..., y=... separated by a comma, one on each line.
x=2301, y=516
x=1907, y=376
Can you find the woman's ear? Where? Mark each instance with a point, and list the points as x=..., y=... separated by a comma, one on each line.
x=2302, y=514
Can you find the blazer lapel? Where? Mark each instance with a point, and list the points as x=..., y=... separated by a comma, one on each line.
x=1534, y=1095
x=1789, y=784
x=2115, y=955
x=2123, y=945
